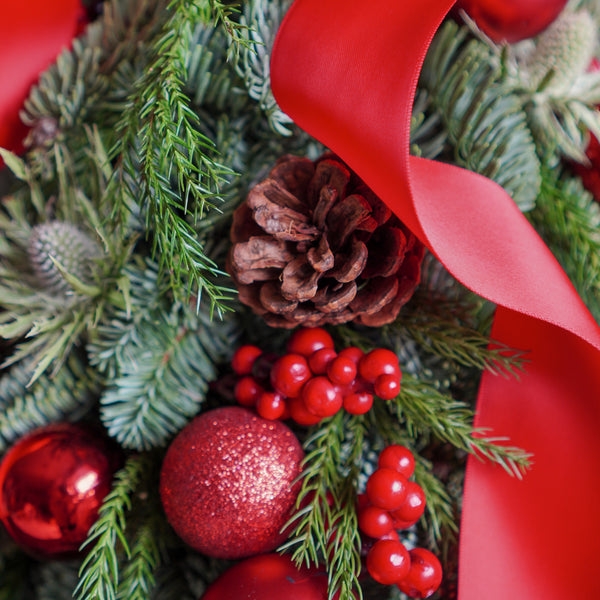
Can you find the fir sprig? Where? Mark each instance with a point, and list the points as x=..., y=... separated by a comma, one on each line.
x=138, y=579
x=99, y=572
x=161, y=145
x=325, y=528
x=424, y=410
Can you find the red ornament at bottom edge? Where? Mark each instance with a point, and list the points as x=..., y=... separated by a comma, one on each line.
x=269, y=577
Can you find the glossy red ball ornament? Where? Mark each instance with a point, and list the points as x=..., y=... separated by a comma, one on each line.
x=269, y=577
x=226, y=482
x=512, y=20
x=52, y=483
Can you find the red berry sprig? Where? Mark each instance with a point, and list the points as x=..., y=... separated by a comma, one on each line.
x=313, y=381
x=392, y=501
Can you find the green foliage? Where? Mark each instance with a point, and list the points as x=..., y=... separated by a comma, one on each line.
x=106, y=543
x=67, y=395
x=425, y=411
x=157, y=359
x=568, y=219
x=138, y=579
x=160, y=144
x=485, y=123
x=262, y=19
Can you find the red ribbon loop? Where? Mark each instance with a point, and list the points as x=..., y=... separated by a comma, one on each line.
x=346, y=72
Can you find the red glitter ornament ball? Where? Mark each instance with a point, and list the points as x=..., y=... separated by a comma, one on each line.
x=226, y=482
x=52, y=483
x=269, y=577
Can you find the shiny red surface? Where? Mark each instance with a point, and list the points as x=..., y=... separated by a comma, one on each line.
x=269, y=577
x=52, y=483
x=512, y=20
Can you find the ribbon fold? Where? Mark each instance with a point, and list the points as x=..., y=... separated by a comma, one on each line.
x=346, y=72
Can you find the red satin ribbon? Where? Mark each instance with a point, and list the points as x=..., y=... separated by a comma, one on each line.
x=32, y=33
x=346, y=72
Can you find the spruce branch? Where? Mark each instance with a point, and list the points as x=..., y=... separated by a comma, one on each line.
x=67, y=395
x=158, y=361
x=99, y=572
x=439, y=520
x=424, y=410
x=262, y=19
x=484, y=119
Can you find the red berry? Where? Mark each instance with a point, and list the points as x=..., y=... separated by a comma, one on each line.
x=341, y=370
x=413, y=508
x=374, y=521
x=353, y=353
x=388, y=561
x=387, y=489
x=387, y=386
x=319, y=361
x=271, y=406
x=378, y=362
x=289, y=374
x=244, y=358
x=247, y=390
x=424, y=575
x=358, y=403
x=300, y=414
x=307, y=340
x=399, y=458
x=321, y=397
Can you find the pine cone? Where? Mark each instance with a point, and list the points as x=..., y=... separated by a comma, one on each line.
x=312, y=244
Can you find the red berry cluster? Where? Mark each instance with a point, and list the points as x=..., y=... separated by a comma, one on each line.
x=313, y=381
x=394, y=502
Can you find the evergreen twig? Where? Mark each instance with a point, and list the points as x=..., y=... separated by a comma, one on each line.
x=459, y=343
x=425, y=410
x=161, y=145
x=138, y=579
